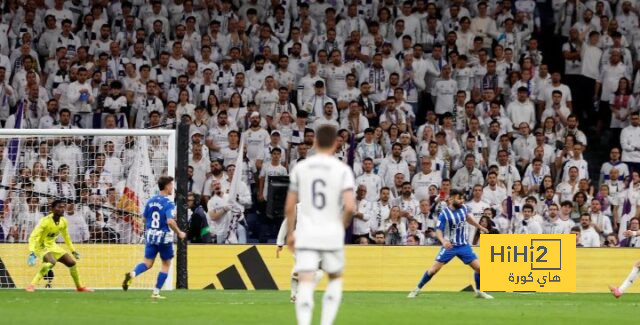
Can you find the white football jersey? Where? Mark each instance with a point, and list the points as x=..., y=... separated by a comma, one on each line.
x=319, y=182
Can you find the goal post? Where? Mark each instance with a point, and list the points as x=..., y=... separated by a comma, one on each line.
x=105, y=176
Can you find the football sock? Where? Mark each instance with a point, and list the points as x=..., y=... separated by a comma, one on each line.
x=46, y=266
x=476, y=276
x=304, y=302
x=294, y=285
x=74, y=274
x=139, y=269
x=160, y=281
x=425, y=278
x=629, y=280
x=331, y=301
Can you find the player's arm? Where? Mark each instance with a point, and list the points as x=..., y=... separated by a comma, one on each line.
x=35, y=236
x=174, y=226
x=171, y=221
x=290, y=214
x=67, y=239
x=472, y=221
x=282, y=236
x=349, y=201
x=348, y=196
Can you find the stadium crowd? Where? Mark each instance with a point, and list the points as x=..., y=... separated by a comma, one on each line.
x=428, y=96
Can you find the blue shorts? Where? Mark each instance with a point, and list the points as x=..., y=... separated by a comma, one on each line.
x=165, y=250
x=464, y=253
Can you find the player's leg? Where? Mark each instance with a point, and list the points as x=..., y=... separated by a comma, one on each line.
x=48, y=261
x=162, y=277
x=307, y=262
x=475, y=265
x=617, y=292
x=166, y=254
x=150, y=252
x=444, y=256
x=294, y=285
x=68, y=261
x=333, y=264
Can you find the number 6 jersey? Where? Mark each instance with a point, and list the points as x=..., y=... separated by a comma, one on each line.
x=319, y=182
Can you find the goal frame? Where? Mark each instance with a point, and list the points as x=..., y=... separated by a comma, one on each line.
x=170, y=134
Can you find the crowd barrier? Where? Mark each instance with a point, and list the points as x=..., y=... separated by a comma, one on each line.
x=248, y=267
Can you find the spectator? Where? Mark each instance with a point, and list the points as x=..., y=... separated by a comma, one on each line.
x=588, y=236
x=395, y=228
x=576, y=231
x=524, y=224
x=486, y=222
x=630, y=235
x=630, y=148
x=362, y=216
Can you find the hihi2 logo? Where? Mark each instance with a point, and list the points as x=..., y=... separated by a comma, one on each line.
x=528, y=262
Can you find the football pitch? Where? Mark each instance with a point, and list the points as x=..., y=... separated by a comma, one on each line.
x=273, y=307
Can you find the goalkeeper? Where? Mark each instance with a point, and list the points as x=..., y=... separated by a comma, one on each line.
x=42, y=244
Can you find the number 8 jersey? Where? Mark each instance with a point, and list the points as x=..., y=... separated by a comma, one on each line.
x=319, y=182
x=157, y=212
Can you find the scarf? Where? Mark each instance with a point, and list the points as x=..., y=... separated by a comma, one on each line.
x=621, y=101
x=408, y=84
x=376, y=77
x=392, y=118
x=354, y=124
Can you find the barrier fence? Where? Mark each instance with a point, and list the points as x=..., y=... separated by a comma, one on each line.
x=368, y=268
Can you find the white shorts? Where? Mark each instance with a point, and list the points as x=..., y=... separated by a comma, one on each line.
x=308, y=260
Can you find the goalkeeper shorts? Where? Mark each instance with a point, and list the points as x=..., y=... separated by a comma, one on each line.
x=55, y=250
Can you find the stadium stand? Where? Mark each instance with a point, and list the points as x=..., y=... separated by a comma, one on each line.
x=529, y=107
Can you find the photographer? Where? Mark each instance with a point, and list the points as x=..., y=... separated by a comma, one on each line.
x=395, y=228
x=198, y=224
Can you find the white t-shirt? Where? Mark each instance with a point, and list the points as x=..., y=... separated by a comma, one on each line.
x=319, y=182
x=221, y=225
x=256, y=142
x=444, y=90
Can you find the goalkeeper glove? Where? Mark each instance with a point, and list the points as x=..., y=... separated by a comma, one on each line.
x=31, y=261
x=76, y=255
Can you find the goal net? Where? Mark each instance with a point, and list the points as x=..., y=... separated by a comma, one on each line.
x=105, y=177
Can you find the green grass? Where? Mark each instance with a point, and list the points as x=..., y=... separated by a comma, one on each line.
x=272, y=307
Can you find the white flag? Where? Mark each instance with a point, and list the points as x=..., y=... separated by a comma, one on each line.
x=140, y=185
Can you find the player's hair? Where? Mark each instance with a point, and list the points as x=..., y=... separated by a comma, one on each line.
x=326, y=136
x=527, y=207
x=455, y=192
x=56, y=202
x=163, y=181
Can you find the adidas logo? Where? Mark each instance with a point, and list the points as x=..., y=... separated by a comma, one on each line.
x=255, y=268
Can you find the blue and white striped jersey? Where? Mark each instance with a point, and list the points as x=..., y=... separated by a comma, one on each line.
x=452, y=223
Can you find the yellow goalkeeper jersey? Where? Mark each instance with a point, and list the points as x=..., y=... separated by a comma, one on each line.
x=46, y=232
